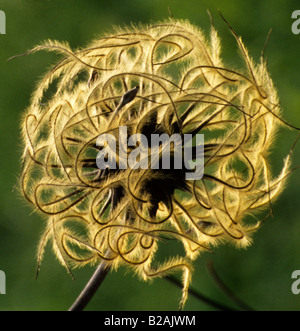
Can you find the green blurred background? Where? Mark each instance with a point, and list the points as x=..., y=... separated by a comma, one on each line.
x=260, y=275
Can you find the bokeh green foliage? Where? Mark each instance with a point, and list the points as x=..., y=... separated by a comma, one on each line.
x=261, y=275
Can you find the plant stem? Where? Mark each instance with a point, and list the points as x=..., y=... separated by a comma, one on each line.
x=91, y=287
x=101, y=272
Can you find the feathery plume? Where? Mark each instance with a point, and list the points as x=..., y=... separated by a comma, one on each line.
x=160, y=79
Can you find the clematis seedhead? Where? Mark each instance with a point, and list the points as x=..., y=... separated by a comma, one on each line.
x=162, y=79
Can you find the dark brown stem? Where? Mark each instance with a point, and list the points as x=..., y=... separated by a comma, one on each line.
x=99, y=275
x=91, y=287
